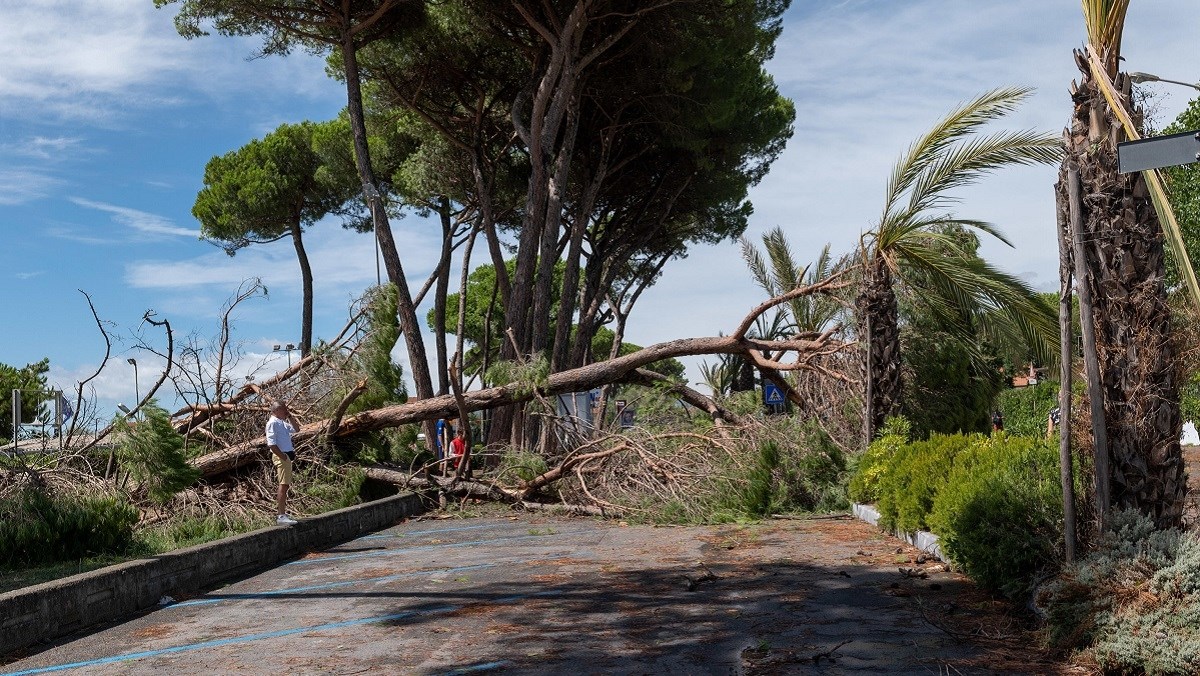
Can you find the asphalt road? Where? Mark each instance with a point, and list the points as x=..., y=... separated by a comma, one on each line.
x=538, y=595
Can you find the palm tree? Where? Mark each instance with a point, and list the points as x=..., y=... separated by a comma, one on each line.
x=913, y=245
x=1124, y=272
x=777, y=273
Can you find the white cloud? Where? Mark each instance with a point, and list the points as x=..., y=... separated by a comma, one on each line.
x=341, y=260
x=45, y=148
x=143, y=222
x=91, y=60
x=21, y=185
x=74, y=234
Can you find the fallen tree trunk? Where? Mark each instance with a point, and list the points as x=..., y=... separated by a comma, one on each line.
x=808, y=348
x=720, y=415
x=459, y=488
x=574, y=380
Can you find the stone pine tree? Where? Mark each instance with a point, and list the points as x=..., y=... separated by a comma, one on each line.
x=343, y=28
x=270, y=189
x=1124, y=263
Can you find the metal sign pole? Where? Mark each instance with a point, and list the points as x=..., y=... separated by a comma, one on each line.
x=58, y=416
x=16, y=417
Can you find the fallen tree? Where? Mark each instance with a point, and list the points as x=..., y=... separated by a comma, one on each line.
x=809, y=349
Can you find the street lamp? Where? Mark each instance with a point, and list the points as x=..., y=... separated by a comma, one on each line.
x=137, y=392
x=1139, y=78
x=289, y=348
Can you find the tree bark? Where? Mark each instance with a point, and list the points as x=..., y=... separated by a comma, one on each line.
x=1091, y=362
x=879, y=318
x=306, y=278
x=409, y=324
x=440, y=292
x=1125, y=265
x=1065, y=333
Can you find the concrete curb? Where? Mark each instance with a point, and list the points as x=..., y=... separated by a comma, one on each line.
x=922, y=540
x=53, y=609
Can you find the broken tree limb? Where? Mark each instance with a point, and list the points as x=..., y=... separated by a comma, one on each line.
x=336, y=420
x=200, y=413
x=460, y=488
x=478, y=491
x=563, y=468
x=720, y=415
x=445, y=406
x=574, y=380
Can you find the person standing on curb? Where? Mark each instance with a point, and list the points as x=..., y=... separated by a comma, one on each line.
x=280, y=427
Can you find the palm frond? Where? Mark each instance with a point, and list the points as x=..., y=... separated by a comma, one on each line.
x=960, y=122
x=1105, y=21
x=966, y=163
x=973, y=297
x=783, y=264
x=759, y=269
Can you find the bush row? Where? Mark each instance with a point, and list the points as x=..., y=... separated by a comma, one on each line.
x=38, y=527
x=994, y=502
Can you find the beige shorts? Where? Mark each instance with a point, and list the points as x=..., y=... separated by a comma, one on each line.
x=283, y=469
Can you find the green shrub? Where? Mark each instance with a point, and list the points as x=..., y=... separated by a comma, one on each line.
x=913, y=477
x=999, y=514
x=1134, y=604
x=1026, y=409
x=38, y=528
x=758, y=493
x=813, y=475
x=807, y=474
x=864, y=482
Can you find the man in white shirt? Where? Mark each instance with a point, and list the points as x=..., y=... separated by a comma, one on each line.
x=280, y=427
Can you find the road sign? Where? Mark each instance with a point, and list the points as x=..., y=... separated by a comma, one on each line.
x=772, y=395
x=1158, y=151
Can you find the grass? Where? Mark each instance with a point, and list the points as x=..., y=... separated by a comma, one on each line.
x=184, y=532
x=28, y=577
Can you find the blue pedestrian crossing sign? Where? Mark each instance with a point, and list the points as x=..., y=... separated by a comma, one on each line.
x=772, y=395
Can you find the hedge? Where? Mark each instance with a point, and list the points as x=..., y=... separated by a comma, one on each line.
x=994, y=502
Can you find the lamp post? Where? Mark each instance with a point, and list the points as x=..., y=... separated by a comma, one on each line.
x=1139, y=78
x=289, y=348
x=137, y=392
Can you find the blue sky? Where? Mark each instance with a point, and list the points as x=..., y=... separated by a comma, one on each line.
x=107, y=118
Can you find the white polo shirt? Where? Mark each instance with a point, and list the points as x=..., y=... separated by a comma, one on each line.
x=279, y=433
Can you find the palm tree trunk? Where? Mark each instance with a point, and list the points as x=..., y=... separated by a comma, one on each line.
x=1065, y=332
x=880, y=329
x=1138, y=365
